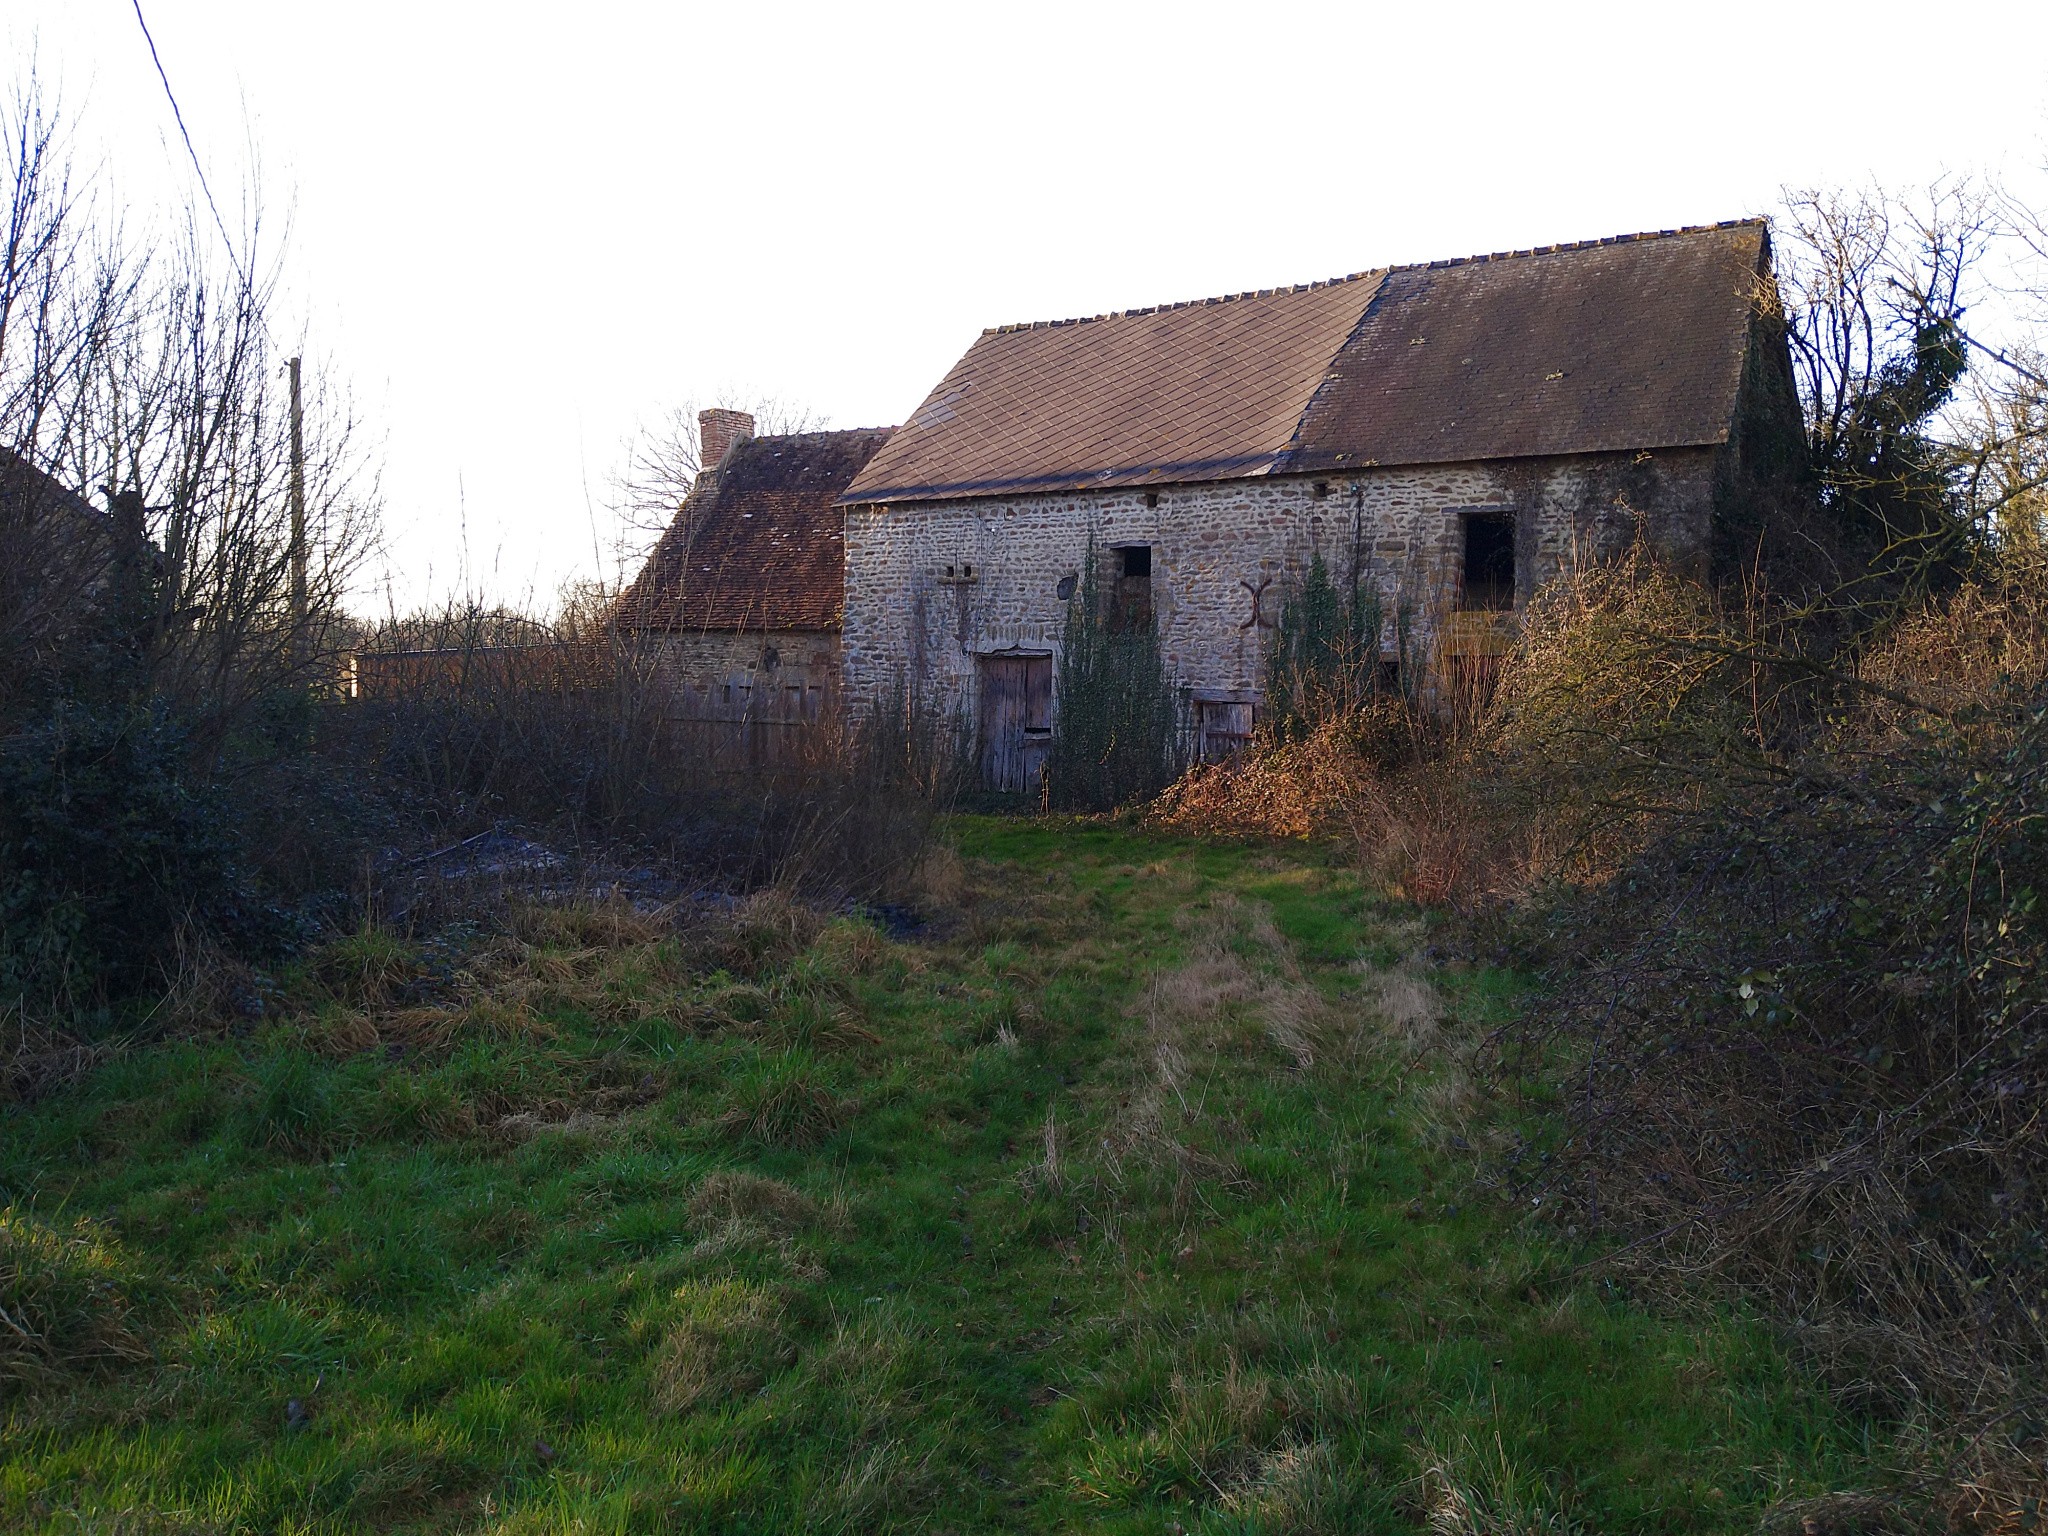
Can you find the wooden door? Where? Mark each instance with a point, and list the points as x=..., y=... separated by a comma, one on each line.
x=1016, y=720
x=1223, y=728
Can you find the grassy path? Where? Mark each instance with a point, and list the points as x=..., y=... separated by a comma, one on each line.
x=1131, y=1199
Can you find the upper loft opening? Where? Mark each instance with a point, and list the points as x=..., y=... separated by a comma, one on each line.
x=1130, y=607
x=1489, y=570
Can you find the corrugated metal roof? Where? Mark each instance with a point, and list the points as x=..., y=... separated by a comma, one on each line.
x=758, y=545
x=1631, y=342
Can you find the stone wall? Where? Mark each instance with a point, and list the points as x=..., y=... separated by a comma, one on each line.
x=778, y=675
x=931, y=586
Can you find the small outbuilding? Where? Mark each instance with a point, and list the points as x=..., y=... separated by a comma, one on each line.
x=742, y=598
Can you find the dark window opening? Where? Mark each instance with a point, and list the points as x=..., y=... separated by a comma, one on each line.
x=1489, y=560
x=1131, y=603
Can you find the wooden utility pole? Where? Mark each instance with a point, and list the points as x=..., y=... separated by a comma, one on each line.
x=298, y=493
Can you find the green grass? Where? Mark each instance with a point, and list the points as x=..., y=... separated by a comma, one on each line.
x=1132, y=1202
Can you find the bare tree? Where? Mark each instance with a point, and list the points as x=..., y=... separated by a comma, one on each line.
x=148, y=372
x=660, y=462
x=1875, y=288
x=63, y=296
x=2008, y=483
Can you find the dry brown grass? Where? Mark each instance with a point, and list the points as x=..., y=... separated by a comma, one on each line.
x=1237, y=987
x=761, y=936
x=39, y=1059
x=2001, y=1494
x=336, y=1030
x=609, y=962
x=1237, y=964
x=787, y=1102
x=736, y=1195
x=713, y=1342
x=594, y=927
x=740, y=1215
x=64, y=1303
x=1471, y=1484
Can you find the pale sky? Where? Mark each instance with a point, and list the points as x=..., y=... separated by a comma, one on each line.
x=517, y=229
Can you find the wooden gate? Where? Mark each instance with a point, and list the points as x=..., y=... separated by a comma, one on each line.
x=1016, y=720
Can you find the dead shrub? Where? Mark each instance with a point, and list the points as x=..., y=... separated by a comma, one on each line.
x=1809, y=1035
x=1797, y=1006
x=1618, y=679
x=1286, y=790
x=939, y=880
x=1625, y=703
x=1436, y=833
x=1970, y=651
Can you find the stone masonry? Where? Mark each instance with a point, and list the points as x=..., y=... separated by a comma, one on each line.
x=780, y=676
x=933, y=585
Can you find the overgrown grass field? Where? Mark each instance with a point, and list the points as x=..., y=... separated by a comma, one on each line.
x=1136, y=1195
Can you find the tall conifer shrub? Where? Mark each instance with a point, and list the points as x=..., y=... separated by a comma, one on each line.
x=1323, y=660
x=1119, y=720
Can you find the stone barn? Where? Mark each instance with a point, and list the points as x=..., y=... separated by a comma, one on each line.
x=1454, y=432
x=742, y=596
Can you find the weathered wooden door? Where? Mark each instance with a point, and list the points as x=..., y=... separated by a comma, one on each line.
x=1016, y=720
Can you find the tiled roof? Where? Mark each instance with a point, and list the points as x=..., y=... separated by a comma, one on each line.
x=758, y=545
x=1631, y=342
x=1206, y=391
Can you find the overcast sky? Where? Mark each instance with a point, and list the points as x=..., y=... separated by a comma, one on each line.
x=518, y=229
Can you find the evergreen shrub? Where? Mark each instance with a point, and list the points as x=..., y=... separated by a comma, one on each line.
x=1120, y=721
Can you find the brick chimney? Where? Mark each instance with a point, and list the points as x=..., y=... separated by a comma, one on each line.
x=717, y=431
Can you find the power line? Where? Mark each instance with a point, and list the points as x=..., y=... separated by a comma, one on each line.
x=218, y=222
